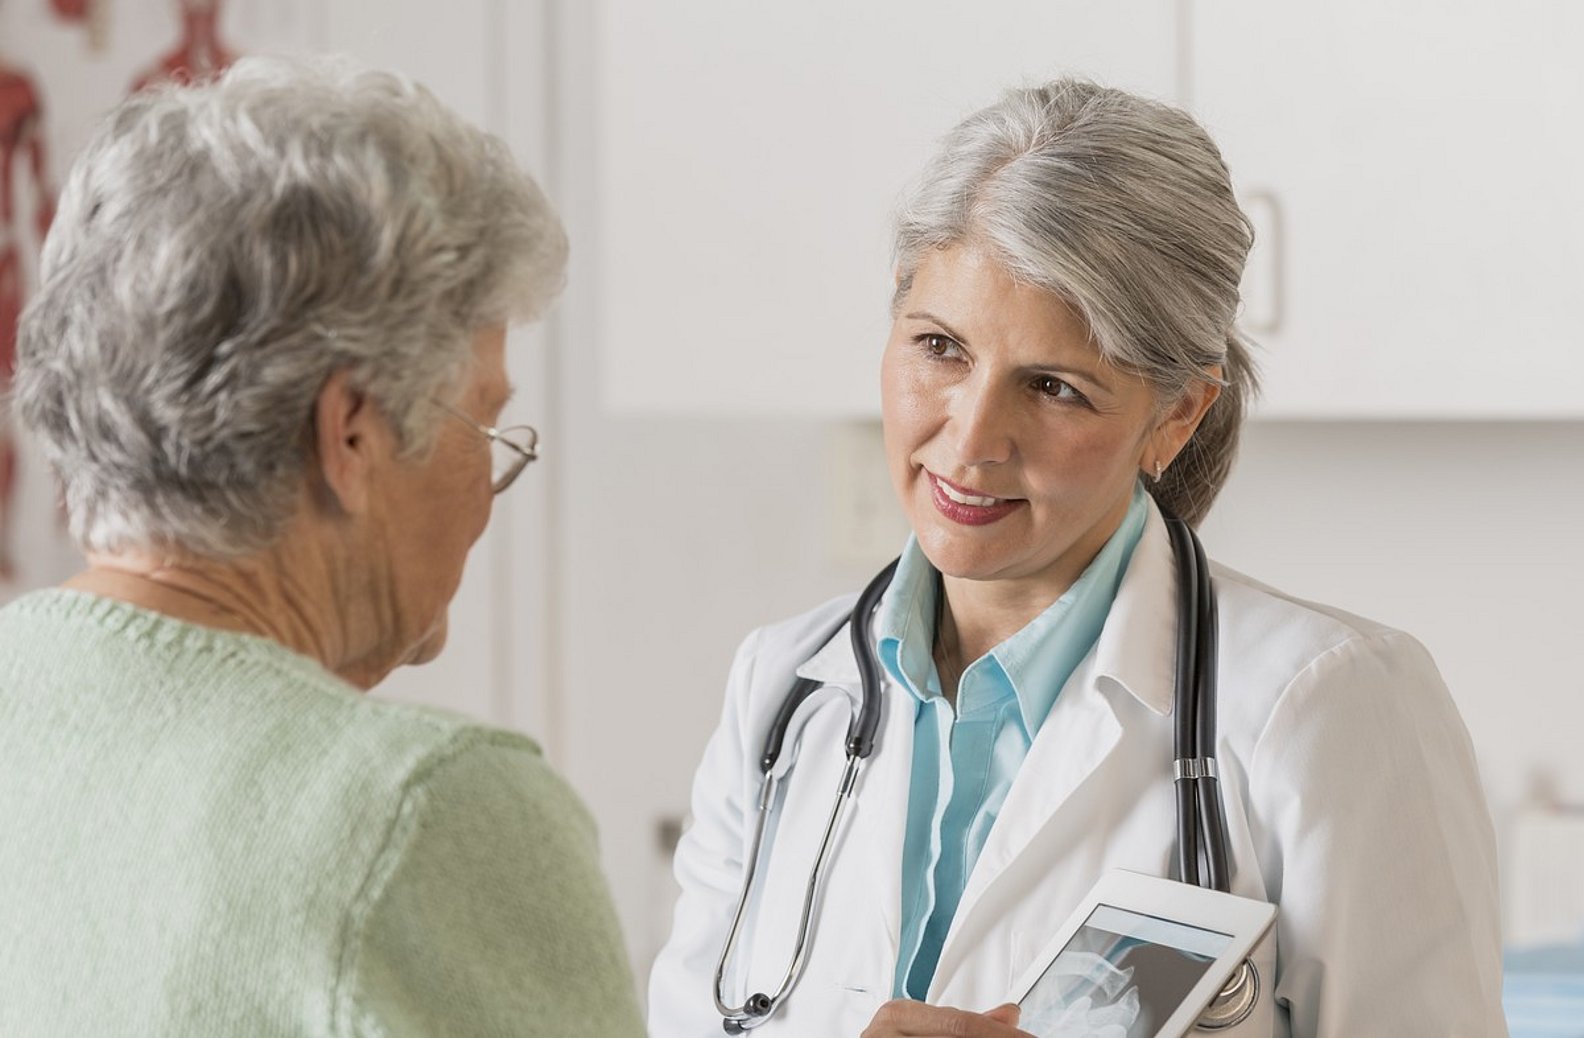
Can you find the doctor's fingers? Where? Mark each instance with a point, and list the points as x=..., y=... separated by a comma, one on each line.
x=901, y=1018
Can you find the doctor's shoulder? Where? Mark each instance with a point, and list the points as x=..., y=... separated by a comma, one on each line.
x=1291, y=668
x=1270, y=634
x=1363, y=810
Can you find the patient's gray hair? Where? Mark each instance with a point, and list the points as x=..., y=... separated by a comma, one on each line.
x=221, y=250
x=1123, y=208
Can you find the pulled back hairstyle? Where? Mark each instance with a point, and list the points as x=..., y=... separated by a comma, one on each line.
x=1123, y=208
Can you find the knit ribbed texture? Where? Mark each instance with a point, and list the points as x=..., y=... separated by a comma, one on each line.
x=204, y=833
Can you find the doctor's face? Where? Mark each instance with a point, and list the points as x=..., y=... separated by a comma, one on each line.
x=1012, y=446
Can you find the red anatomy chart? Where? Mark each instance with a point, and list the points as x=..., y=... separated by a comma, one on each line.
x=199, y=55
x=95, y=14
x=21, y=151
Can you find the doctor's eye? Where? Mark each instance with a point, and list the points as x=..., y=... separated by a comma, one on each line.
x=1056, y=389
x=938, y=346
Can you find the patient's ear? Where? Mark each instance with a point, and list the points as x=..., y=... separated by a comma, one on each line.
x=350, y=439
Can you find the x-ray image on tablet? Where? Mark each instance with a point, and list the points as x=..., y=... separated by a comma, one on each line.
x=1121, y=975
x=1141, y=957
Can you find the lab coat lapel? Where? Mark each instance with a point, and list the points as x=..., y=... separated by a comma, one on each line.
x=1051, y=774
x=1132, y=656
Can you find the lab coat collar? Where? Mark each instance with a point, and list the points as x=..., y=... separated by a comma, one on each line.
x=834, y=664
x=1137, y=647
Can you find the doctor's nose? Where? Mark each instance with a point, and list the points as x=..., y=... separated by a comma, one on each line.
x=980, y=424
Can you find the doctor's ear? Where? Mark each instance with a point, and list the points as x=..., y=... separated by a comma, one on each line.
x=1177, y=425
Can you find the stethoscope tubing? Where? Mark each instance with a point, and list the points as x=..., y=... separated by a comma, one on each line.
x=1211, y=820
x=1185, y=737
x=759, y=1006
x=860, y=741
x=1200, y=822
x=767, y=787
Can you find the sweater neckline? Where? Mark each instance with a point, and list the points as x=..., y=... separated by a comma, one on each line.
x=138, y=623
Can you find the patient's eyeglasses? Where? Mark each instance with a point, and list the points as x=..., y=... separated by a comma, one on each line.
x=511, y=449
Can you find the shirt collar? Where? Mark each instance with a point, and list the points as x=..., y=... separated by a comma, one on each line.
x=905, y=623
x=1136, y=649
x=1038, y=659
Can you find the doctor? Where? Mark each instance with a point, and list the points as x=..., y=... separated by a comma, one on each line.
x=1063, y=368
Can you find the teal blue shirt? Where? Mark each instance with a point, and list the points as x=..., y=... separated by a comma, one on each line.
x=964, y=761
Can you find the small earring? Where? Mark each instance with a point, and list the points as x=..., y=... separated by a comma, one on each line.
x=1159, y=470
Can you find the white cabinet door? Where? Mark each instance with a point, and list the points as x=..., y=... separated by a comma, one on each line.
x=1415, y=169
x=748, y=159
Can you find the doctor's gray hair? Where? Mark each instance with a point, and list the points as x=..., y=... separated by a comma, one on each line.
x=221, y=250
x=1122, y=207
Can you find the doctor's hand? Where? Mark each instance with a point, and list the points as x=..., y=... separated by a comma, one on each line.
x=901, y=1018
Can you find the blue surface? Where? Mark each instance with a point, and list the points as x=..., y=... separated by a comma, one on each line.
x=1543, y=992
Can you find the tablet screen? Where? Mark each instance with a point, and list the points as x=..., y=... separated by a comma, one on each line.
x=1122, y=975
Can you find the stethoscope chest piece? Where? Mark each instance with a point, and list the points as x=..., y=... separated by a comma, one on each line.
x=1234, y=1003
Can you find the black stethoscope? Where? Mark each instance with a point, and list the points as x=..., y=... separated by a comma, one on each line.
x=1201, y=832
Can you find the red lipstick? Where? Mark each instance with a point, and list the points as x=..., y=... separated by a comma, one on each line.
x=965, y=513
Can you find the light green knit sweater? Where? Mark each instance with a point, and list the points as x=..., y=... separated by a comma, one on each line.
x=205, y=834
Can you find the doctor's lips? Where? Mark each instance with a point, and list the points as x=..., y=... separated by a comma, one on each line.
x=968, y=507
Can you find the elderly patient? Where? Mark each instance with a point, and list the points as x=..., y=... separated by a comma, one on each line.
x=266, y=361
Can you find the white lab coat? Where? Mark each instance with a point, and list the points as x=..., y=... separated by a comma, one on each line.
x=1352, y=802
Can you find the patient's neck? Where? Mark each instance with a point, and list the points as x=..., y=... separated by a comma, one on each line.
x=276, y=595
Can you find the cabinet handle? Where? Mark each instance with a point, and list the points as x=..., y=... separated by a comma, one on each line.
x=1272, y=226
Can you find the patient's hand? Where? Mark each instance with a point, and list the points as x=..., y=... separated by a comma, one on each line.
x=903, y=1019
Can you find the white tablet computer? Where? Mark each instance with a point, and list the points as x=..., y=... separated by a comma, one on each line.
x=1140, y=957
